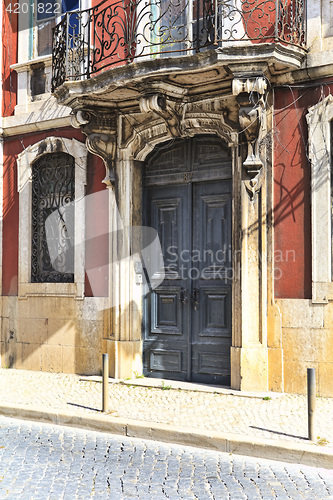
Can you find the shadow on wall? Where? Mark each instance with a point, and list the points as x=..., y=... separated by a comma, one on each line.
x=55, y=334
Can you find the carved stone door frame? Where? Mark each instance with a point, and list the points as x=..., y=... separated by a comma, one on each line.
x=256, y=328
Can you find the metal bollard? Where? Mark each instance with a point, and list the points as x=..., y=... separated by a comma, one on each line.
x=105, y=383
x=311, y=378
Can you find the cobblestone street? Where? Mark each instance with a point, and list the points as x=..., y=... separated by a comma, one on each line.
x=47, y=462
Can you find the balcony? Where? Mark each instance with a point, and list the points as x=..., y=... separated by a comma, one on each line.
x=119, y=33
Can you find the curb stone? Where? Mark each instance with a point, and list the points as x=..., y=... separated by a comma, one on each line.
x=305, y=454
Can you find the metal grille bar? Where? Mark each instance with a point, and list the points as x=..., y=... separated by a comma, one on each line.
x=117, y=32
x=53, y=184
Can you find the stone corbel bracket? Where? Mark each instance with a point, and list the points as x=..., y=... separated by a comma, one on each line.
x=101, y=132
x=251, y=119
x=161, y=106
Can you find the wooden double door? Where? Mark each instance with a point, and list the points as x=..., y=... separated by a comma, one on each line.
x=187, y=317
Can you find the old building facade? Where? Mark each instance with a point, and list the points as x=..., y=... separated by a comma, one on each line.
x=186, y=150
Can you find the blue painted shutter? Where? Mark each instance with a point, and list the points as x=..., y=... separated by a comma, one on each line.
x=67, y=5
x=45, y=9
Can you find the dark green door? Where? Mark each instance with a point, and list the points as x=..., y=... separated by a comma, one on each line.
x=187, y=318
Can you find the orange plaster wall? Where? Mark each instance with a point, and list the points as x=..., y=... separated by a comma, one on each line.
x=110, y=32
x=10, y=224
x=97, y=222
x=9, y=56
x=292, y=208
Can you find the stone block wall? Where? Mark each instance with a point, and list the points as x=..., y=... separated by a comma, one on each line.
x=307, y=342
x=55, y=334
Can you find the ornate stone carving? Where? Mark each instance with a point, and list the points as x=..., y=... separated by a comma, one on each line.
x=142, y=132
x=251, y=119
x=159, y=105
x=104, y=146
x=248, y=85
x=100, y=129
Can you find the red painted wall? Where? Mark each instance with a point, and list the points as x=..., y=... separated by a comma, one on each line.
x=96, y=172
x=110, y=31
x=259, y=20
x=292, y=209
x=10, y=220
x=97, y=230
x=9, y=56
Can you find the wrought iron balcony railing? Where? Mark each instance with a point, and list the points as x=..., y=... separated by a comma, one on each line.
x=117, y=32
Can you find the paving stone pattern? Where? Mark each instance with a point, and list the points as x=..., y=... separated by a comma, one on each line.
x=49, y=462
x=282, y=418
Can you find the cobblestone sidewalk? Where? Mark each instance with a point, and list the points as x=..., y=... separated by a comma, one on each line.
x=283, y=417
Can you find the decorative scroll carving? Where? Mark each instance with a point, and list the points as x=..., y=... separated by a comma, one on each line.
x=249, y=85
x=101, y=133
x=251, y=118
x=160, y=106
x=104, y=146
x=141, y=133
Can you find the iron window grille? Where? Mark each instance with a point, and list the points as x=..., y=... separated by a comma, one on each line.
x=53, y=190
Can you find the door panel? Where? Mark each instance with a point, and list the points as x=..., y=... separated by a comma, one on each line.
x=214, y=312
x=211, y=316
x=212, y=228
x=163, y=361
x=166, y=317
x=166, y=325
x=210, y=367
x=187, y=319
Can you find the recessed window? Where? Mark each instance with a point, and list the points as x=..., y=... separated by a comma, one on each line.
x=53, y=194
x=38, y=79
x=45, y=13
x=52, y=248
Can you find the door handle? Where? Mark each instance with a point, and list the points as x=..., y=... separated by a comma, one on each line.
x=183, y=296
x=195, y=298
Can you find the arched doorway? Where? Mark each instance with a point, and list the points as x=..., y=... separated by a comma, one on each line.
x=187, y=323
